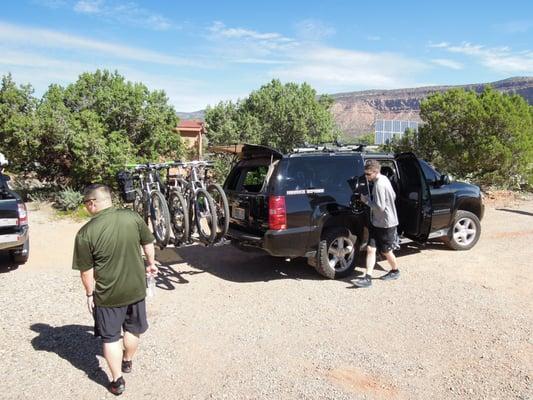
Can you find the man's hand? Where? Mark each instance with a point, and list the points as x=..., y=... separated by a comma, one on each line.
x=151, y=270
x=364, y=199
x=90, y=303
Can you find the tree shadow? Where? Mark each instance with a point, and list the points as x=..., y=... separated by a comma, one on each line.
x=229, y=263
x=73, y=343
x=515, y=211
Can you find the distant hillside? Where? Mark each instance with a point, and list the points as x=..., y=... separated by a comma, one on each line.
x=192, y=115
x=355, y=112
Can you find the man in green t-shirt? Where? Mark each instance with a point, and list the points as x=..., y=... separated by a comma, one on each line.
x=107, y=252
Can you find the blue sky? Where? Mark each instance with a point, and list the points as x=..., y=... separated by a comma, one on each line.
x=204, y=52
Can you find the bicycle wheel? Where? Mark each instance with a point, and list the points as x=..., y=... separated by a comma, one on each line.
x=139, y=206
x=179, y=216
x=222, y=208
x=160, y=217
x=205, y=216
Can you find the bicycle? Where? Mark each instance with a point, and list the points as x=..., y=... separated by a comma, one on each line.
x=220, y=200
x=149, y=200
x=201, y=207
x=177, y=204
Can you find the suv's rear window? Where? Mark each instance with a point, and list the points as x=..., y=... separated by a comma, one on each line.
x=330, y=173
x=247, y=178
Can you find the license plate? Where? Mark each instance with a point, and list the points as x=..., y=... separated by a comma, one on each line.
x=238, y=213
x=8, y=238
x=8, y=221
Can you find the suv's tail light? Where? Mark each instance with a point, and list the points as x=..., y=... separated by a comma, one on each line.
x=277, y=213
x=23, y=214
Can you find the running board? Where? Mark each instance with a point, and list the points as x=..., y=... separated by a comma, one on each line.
x=438, y=234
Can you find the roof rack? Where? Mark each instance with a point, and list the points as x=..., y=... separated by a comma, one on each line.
x=333, y=147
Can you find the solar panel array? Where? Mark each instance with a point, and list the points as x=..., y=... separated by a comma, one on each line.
x=386, y=129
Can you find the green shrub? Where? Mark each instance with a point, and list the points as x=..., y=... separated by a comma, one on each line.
x=68, y=199
x=79, y=214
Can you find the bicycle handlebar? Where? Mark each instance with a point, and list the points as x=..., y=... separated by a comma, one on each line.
x=170, y=164
x=147, y=166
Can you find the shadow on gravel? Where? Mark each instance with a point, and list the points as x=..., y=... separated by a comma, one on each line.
x=169, y=277
x=228, y=263
x=383, y=266
x=73, y=343
x=515, y=211
x=6, y=264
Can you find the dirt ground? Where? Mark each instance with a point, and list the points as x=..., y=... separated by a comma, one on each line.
x=232, y=325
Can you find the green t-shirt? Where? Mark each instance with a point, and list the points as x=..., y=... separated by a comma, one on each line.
x=110, y=243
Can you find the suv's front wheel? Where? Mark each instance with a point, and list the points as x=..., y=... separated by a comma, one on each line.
x=465, y=231
x=336, y=254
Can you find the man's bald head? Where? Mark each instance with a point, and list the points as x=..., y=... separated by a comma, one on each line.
x=100, y=194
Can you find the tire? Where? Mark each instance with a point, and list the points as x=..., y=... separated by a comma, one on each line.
x=179, y=216
x=205, y=216
x=222, y=207
x=464, y=232
x=160, y=218
x=21, y=255
x=138, y=205
x=336, y=255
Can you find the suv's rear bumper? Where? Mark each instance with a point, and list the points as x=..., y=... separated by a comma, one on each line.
x=14, y=239
x=290, y=242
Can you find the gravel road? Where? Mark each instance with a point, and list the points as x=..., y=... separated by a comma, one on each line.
x=232, y=325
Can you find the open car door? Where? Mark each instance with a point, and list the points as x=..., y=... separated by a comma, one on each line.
x=414, y=200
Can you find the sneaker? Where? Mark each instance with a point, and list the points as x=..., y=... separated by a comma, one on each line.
x=363, y=282
x=391, y=275
x=126, y=366
x=117, y=387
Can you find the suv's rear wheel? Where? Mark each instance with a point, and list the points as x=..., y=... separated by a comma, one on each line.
x=21, y=254
x=336, y=254
x=465, y=231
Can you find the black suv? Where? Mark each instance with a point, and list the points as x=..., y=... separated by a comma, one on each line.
x=14, y=231
x=305, y=204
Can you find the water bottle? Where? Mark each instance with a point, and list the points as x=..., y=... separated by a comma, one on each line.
x=150, y=285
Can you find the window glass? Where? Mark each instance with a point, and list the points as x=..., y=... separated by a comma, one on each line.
x=247, y=178
x=330, y=173
x=254, y=178
x=429, y=172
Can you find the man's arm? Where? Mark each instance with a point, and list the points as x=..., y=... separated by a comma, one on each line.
x=379, y=203
x=149, y=252
x=87, y=278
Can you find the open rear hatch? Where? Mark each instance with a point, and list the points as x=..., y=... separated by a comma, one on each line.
x=246, y=187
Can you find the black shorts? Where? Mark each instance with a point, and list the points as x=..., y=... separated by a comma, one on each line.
x=382, y=238
x=108, y=321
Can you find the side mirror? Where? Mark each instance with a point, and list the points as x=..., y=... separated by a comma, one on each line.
x=444, y=179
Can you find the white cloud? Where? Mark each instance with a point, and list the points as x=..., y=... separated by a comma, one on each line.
x=261, y=61
x=312, y=29
x=246, y=37
x=115, y=11
x=500, y=59
x=337, y=69
x=444, y=62
x=327, y=68
x=374, y=38
x=51, y=39
x=439, y=45
x=88, y=6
